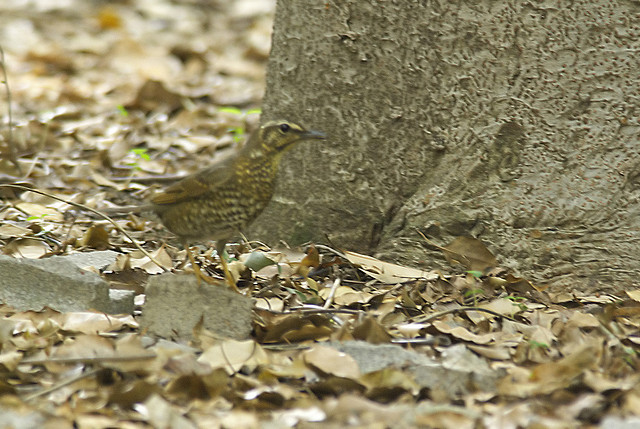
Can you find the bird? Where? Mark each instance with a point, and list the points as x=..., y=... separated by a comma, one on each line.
x=219, y=201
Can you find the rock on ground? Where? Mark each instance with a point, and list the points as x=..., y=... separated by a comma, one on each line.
x=58, y=283
x=175, y=304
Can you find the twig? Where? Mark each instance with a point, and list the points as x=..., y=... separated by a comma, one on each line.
x=429, y=317
x=61, y=384
x=301, y=310
x=285, y=346
x=332, y=293
x=94, y=211
x=13, y=153
x=88, y=359
x=339, y=254
x=331, y=250
x=440, y=340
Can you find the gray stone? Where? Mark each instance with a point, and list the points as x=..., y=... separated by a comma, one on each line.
x=175, y=304
x=31, y=284
x=459, y=373
x=121, y=301
x=99, y=259
x=374, y=357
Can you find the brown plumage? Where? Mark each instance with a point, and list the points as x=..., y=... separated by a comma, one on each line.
x=222, y=199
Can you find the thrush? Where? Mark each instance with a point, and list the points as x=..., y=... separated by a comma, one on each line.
x=219, y=201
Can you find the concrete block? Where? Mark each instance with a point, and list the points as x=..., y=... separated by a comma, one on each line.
x=175, y=303
x=31, y=284
x=99, y=259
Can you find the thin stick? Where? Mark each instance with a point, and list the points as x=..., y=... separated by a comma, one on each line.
x=429, y=317
x=332, y=250
x=88, y=359
x=299, y=310
x=13, y=153
x=332, y=293
x=94, y=211
x=61, y=384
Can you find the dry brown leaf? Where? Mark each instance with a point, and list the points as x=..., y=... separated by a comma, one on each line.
x=331, y=361
x=9, y=361
x=40, y=211
x=563, y=371
x=100, y=180
x=162, y=414
x=389, y=378
x=371, y=331
x=295, y=327
x=582, y=320
x=137, y=260
x=520, y=285
x=386, y=272
x=632, y=403
x=232, y=355
x=599, y=382
x=9, y=230
x=498, y=352
x=447, y=417
x=549, y=377
x=345, y=296
x=463, y=333
x=633, y=294
x=94, y=323
x=469, y=252
x=96, y=237
x=503, y=306
x=295, y=368
x=154, y=94
x=26, y=248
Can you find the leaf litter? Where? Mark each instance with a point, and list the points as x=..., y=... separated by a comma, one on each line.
x=130, y=95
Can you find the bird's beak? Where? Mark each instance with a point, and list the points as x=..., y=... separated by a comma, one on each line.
x=313, y=135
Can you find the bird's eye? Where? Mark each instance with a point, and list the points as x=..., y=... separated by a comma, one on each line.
x=284, y=127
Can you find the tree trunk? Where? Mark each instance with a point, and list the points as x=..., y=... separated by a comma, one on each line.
x=513, y=122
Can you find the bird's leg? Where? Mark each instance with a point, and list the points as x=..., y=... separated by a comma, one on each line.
x=200, y=276
x=220, y=245
x=194, y=265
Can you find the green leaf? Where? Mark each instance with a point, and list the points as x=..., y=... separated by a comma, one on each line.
x=238, y=133
x=40, y=217
x=122, y=110
x=233, y=110
x=258, y=260
x=474, y=292
x=141, y=152
x=536, y=344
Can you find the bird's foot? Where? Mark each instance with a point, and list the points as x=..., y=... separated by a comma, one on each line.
x=231, y=282
x=202, y=277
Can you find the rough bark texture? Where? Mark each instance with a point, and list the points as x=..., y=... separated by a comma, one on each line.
x=515, y=122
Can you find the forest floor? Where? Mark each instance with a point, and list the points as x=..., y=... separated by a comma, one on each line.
x=110, y=100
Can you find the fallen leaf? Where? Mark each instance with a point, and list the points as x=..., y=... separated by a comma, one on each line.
x=232, y=355
x=332, y=361
x=469, y=252
x=386, y=272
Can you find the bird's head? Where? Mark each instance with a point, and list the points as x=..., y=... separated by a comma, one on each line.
x=281, y=135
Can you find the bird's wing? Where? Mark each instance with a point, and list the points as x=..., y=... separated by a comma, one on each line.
x=193, y=186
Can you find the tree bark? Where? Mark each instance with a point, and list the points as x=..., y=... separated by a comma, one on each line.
x=514, y=122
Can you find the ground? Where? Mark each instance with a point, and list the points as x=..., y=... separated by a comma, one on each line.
x=111, y=100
